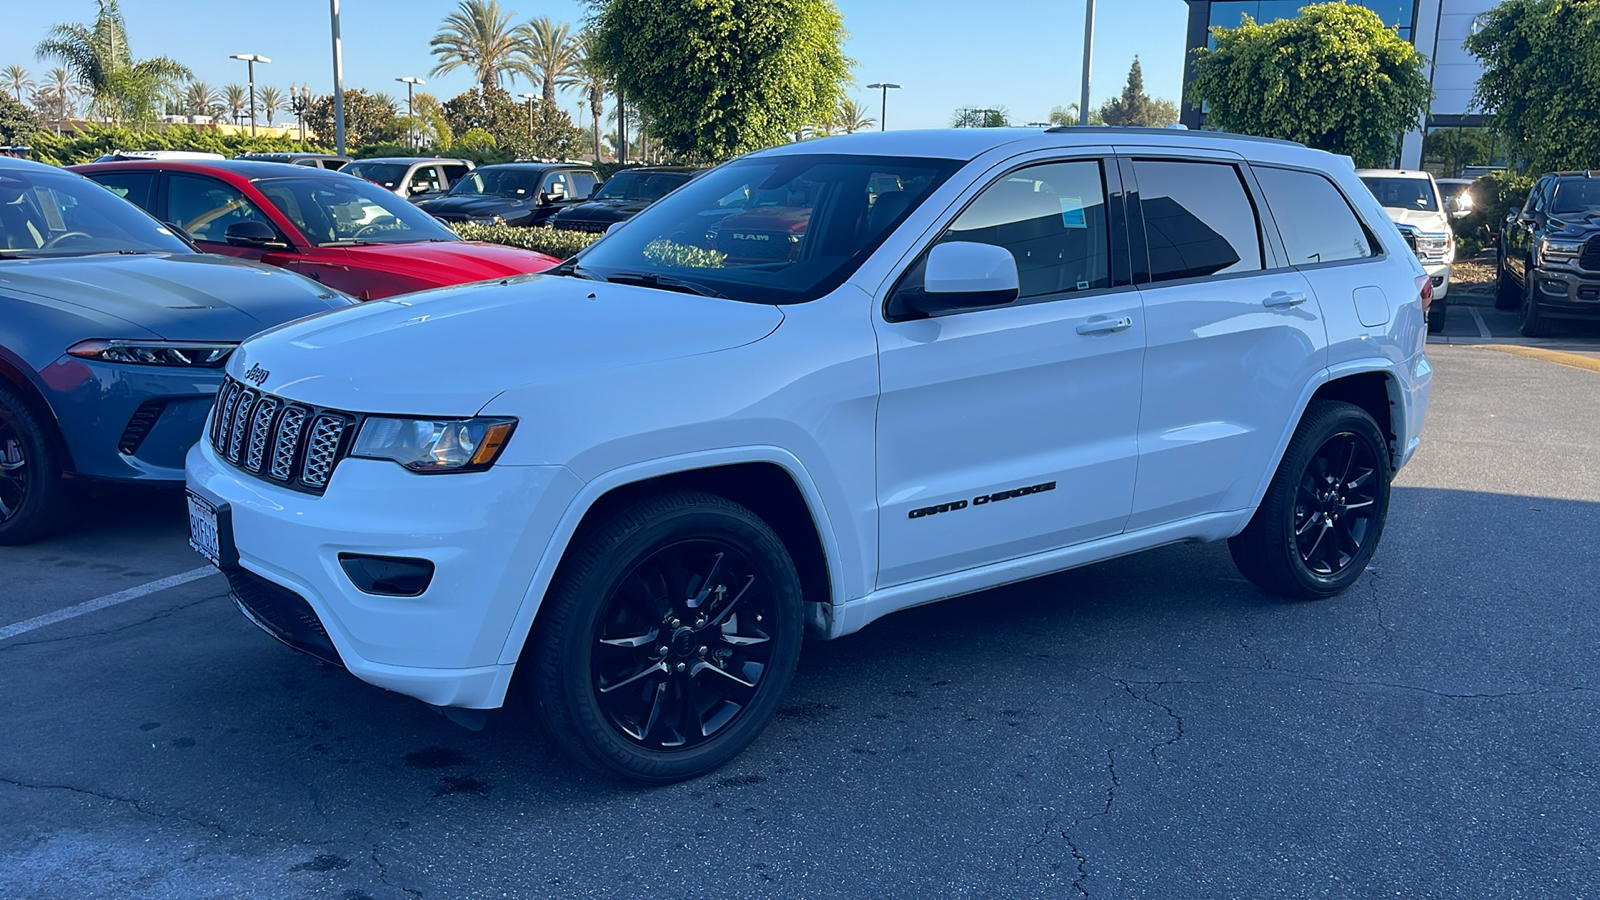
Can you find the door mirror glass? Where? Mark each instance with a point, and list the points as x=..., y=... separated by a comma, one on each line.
x=966, y=275
x=253, y=233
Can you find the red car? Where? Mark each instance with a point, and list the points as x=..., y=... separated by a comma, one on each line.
x=347, y=233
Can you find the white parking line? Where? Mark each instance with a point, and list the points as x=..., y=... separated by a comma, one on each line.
x=1483, y=330
x=89, y=606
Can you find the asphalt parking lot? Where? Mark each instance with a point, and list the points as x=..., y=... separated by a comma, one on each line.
x=1148, y=727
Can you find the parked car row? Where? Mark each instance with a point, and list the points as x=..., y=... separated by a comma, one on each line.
x=1548, y=262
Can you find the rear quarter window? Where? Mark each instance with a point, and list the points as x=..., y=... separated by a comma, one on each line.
x=1314, y=218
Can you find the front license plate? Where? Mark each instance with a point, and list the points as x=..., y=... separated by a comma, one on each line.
x=203, y=534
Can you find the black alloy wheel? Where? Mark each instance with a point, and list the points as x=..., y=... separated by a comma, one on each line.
x=1533, y=322
x=682, y=644
x=1320, y=521
x=1335, y=503
x=668, y=638
x=1436, y=316
x=1507, y=295
x=31, y=490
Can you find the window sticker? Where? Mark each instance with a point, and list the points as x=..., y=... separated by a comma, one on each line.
x=1072, y=212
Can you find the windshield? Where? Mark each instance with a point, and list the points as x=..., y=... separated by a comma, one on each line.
x=1403, y=193
x=1457, y=197
x=53, y=213
x=333, y=211
x=778, y=229
x=646, y=186
x=1576, y=197
x=495, y=181
x=385, y=174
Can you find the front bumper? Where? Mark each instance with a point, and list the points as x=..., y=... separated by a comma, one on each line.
x=1439, y=274
x=126, y=422
x=484, y=532
x=1568, y=293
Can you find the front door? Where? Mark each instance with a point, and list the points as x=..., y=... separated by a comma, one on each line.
x=1234, y=335
x=1009, y=431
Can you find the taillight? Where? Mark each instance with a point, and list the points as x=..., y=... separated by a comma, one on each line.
x=1425, y=291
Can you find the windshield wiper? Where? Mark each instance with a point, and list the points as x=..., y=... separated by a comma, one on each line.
x=347, y=243
x=571, y=269
x=666, y=282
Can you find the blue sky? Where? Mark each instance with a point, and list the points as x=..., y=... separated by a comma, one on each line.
x=1023, y=54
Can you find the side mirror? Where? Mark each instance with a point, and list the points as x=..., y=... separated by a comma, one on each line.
x=965, y=275
x=594, y=191
x=253, y=233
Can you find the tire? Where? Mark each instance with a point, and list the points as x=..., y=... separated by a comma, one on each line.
x=1436, y=314
x=32, y=494
x=1506, y=296
x=1534, y=323
x=626, y=592
x=1282, y=549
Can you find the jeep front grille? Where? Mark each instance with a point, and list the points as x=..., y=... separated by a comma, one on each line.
x=292, y=444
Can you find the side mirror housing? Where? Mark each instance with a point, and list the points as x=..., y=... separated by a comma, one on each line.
x=965, y=275
x=596, y=189
x=253, y=233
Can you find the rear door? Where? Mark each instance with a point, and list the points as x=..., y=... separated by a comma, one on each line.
x=1009, y=431
x=1233, y=335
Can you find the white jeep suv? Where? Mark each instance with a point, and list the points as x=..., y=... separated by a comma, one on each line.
x=1411, y=198
x=819, y=384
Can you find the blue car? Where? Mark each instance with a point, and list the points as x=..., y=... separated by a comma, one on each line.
x=113, y=333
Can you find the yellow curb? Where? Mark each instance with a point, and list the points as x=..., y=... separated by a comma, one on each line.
x=1555, y=356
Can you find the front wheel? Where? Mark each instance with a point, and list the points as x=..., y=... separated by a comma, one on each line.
x=31, y=490
x=1320, y=521
x=670, y=635
x=1534, y=323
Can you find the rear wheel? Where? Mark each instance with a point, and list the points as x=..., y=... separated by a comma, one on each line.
x=32, y=501
x=670, y=636
x=1322, y=516
x=1436, y=314
x=1534, y=322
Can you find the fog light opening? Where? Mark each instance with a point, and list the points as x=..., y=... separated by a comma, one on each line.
x=387, y=576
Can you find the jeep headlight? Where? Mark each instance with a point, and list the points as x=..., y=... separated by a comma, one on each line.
x=1557, y=252
x=432, y=446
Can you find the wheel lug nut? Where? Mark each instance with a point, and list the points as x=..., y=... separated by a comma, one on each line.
x=675, y=623
x=702, y=651
x=683, y=667
x=661, y=650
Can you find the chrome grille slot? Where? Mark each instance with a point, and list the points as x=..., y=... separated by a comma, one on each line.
x=322, y=452
x=227, y=397
x=240, y=423
x=260, y=426
x=287, y=442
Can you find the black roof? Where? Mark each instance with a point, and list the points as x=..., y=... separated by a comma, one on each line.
x=407, y=159
x=1113, y=130
x=538, y=166
x=683, y=170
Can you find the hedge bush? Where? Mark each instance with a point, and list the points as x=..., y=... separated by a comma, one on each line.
x=554, y=242
x=93, y=142
x=1495, y=196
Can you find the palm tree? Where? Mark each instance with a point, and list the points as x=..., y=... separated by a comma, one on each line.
x=98, y=56
x=269, y=101
x=852, y=117
x=592, y=81
x=65, y=91
x=237, y=99
x=477, y=35
x=198, y=99
x=549, y=54
x=16, y=79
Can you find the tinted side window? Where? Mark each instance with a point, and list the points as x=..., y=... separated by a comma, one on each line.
x=133, y=187
x=557, y=184
x=205, y=207
x=1198, y=219
x=454, y=172
x=1314, y=218
x=583, y=183
x=1051, y=217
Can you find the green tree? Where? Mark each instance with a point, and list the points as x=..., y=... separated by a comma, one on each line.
x=491, y=111
x=852, y=117
x=1541, y=75
x=1135, y=107
x=1068, y=115
x=119, y=88
x=721, y=77
x=980, y=117
x=1335, y=78
x=548, y=54
x=478, y=36
x=592, y=81
x=367, y=119
x=269, y=101
x=200, y=99
x=15, y=78
x=18, y=124
x=236, y=98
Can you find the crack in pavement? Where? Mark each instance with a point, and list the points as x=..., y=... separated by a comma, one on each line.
x=138, y=806
x=1171, y=714
x=1376, y=603
x=383, y=871
x=1082, y=860
x=165, y=613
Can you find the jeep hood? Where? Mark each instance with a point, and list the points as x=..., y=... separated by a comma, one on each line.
x=448, y=352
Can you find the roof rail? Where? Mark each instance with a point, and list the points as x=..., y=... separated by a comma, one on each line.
x=1135, y=130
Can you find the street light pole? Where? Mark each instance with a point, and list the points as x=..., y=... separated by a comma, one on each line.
x=529, y=98
x=338, y=80
x=411, y=108
x=883, y=106
x=1088, y=54
x=250, y=60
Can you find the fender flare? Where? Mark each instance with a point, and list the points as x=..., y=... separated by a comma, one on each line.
x=592, y=490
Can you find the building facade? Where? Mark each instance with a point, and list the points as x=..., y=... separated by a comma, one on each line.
x=1436, y=27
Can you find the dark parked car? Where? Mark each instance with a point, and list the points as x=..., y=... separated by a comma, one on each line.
x=342, y=231
x=514, y=194
x=411, y=177
x=619, y=199
x=113, y=333
x=1549, y=260
x=314, y=160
